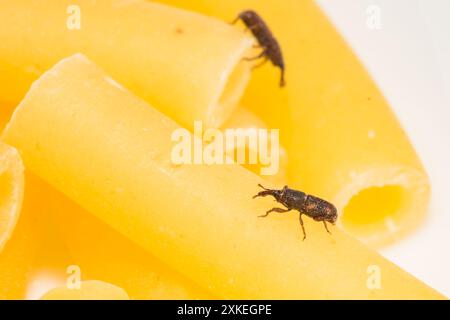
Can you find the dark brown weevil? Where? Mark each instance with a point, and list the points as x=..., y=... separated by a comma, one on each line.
x=313, y=207
x=266, y=40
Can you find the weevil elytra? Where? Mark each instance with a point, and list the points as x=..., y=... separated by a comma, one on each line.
x=315, y=208
x=266, y=40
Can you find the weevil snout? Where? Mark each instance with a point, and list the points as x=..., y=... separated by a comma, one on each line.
x=247, y=16
x=277, y=194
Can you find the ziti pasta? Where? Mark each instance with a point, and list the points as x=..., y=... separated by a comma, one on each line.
x=15, y=256
x=187, y=64
x=11, y=191
x=89, y=290
x=109, y=151
x=343, y=141
x=102, y=253
x=249, y=123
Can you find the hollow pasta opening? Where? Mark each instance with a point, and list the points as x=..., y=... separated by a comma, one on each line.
x=374, y=209
x=232, y=92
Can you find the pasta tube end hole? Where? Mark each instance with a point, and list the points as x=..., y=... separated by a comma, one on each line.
x=373, y=209
x=229, y=96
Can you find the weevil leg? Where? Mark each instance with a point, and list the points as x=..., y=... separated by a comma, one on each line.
x=235, y=20
x=279, y=210
x=303, y=227
x=259, y=56
x=260, y=64
x=326, y=227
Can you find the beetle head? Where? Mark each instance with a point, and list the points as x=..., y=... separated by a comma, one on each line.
x=248, y=16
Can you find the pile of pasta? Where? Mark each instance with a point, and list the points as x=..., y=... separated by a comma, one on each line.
x=85, y=158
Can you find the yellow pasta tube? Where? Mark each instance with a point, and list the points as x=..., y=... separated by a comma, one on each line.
x=349, y=146
x=102, y=253
x=99, y=252
x=50, y=261
x=12, y=239
x=89, y=290
x=249, y=123
x=11, y=191
x=16, y=260
x=187, y=64
x=111, y=152
x=33, y=248
x=263, y=96
x=6, y=109
x=345, y=143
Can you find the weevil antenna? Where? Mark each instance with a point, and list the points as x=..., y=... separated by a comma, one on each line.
x=261, y=186
x=282, y=81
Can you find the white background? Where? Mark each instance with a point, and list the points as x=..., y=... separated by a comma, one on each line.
x=409, y=58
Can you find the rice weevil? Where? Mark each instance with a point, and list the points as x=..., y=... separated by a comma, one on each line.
x=315, y=208
x=266, y=40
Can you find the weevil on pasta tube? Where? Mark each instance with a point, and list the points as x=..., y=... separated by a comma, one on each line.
x=266, y=40
x=311, y=206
